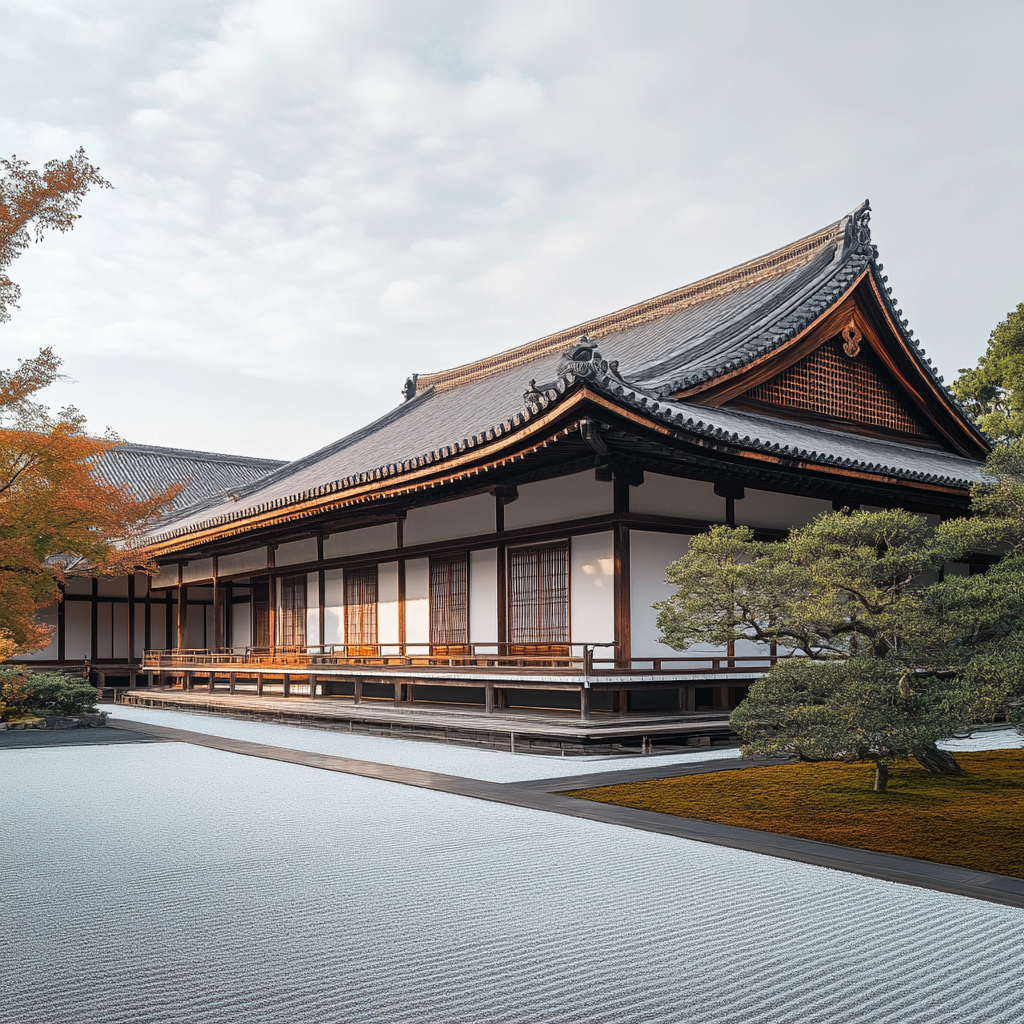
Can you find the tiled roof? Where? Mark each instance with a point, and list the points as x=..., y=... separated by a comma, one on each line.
x=654, y=349
x=206, y=475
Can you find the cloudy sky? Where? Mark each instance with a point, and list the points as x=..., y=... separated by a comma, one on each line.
x=315, y=198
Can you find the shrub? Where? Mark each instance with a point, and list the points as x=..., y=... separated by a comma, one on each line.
x=54, y=693
x=16, y=696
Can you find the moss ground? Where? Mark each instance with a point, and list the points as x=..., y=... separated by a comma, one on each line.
x=974, y=819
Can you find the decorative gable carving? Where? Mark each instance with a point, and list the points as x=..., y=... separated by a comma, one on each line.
x=841, y=380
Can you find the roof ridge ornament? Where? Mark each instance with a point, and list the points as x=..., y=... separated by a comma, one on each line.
x=582, y=359
x=857, y=237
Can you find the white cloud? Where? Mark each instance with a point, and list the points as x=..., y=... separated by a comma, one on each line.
x=330, y=195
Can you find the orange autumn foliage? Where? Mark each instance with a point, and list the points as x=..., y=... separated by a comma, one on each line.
x=57, y=517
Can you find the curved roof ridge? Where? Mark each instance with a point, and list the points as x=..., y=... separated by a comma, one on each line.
x=744, y=275
x=189, y=453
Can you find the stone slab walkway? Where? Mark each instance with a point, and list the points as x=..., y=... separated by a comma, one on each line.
x=905, y=870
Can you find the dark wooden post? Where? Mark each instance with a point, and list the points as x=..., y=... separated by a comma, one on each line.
x=488, y=698
x=286, y=685
x=357, y=691
x=209, y=682
x=182, y=639
x=61, y=625
x=623, y=652
x=398, y=693
x=259, y=684
x=131, y=619
x=94, y=624
x=231, y=682
x=584, y=703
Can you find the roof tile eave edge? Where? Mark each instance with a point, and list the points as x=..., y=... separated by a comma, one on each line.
x=435, y=457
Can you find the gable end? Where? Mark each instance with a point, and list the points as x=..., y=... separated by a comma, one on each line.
x=841, y=390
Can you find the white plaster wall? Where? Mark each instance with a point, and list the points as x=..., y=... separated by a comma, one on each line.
x=141, y=584
x=387, y=603
x=312, y=608
x=554, y=501
x=139, y=644
x=119, y=616
x=296, y=551
x=104, y=631
x=84, y=586
x=649, y=557
x=672, y=496
x=417, y=601
x=112, y=588
x=242, y=561
x=777, y=511
x=241, y=626
x=166, y=577
x=158, y=627
x=199, y=569
x=450, y=520
x=592, y=588
x=195, y=628
x=483, y=596
x=78, y=628
x=361, y=542
x=46, y=617
x=334, y=607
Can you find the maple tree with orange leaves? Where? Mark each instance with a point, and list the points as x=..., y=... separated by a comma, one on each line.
x=58, y=518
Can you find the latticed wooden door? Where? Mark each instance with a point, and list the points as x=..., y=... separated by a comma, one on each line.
x=292, y=626
x=261, y=613
x=449, y=604
x=361, y=611
x=539, y=599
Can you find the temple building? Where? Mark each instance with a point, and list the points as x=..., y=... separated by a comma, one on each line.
x=501, y=536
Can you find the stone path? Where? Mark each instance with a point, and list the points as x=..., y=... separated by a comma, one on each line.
x=908, y=871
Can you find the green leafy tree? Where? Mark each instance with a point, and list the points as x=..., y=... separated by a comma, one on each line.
x=993, y=392
x=847, y=594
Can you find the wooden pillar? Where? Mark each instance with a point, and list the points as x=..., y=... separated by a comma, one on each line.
x=272, y=612
x=182, y=639
x=398, y=693
x=259, y=684
x=94, y=624
x=147, y=635
x=620, y=701
x=168, y=620
x=131, y=621
x=209, y=682
x=499, y=527
x=584, y=703
x=488, y=698
x=219, y=632
x=312, y=685
x=286, y=685
x=622, y=596
x=231, y=682
x=357, y=691
x=61, y=625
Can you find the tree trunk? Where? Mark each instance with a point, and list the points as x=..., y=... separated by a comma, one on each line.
x=881, y=776
x=938, y=762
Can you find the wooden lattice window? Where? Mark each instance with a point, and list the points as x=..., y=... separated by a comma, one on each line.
x=361, y=607
x=832, y=384
x=292, y=620
x=449, y=600
x=539, y=592
x=261, y=613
